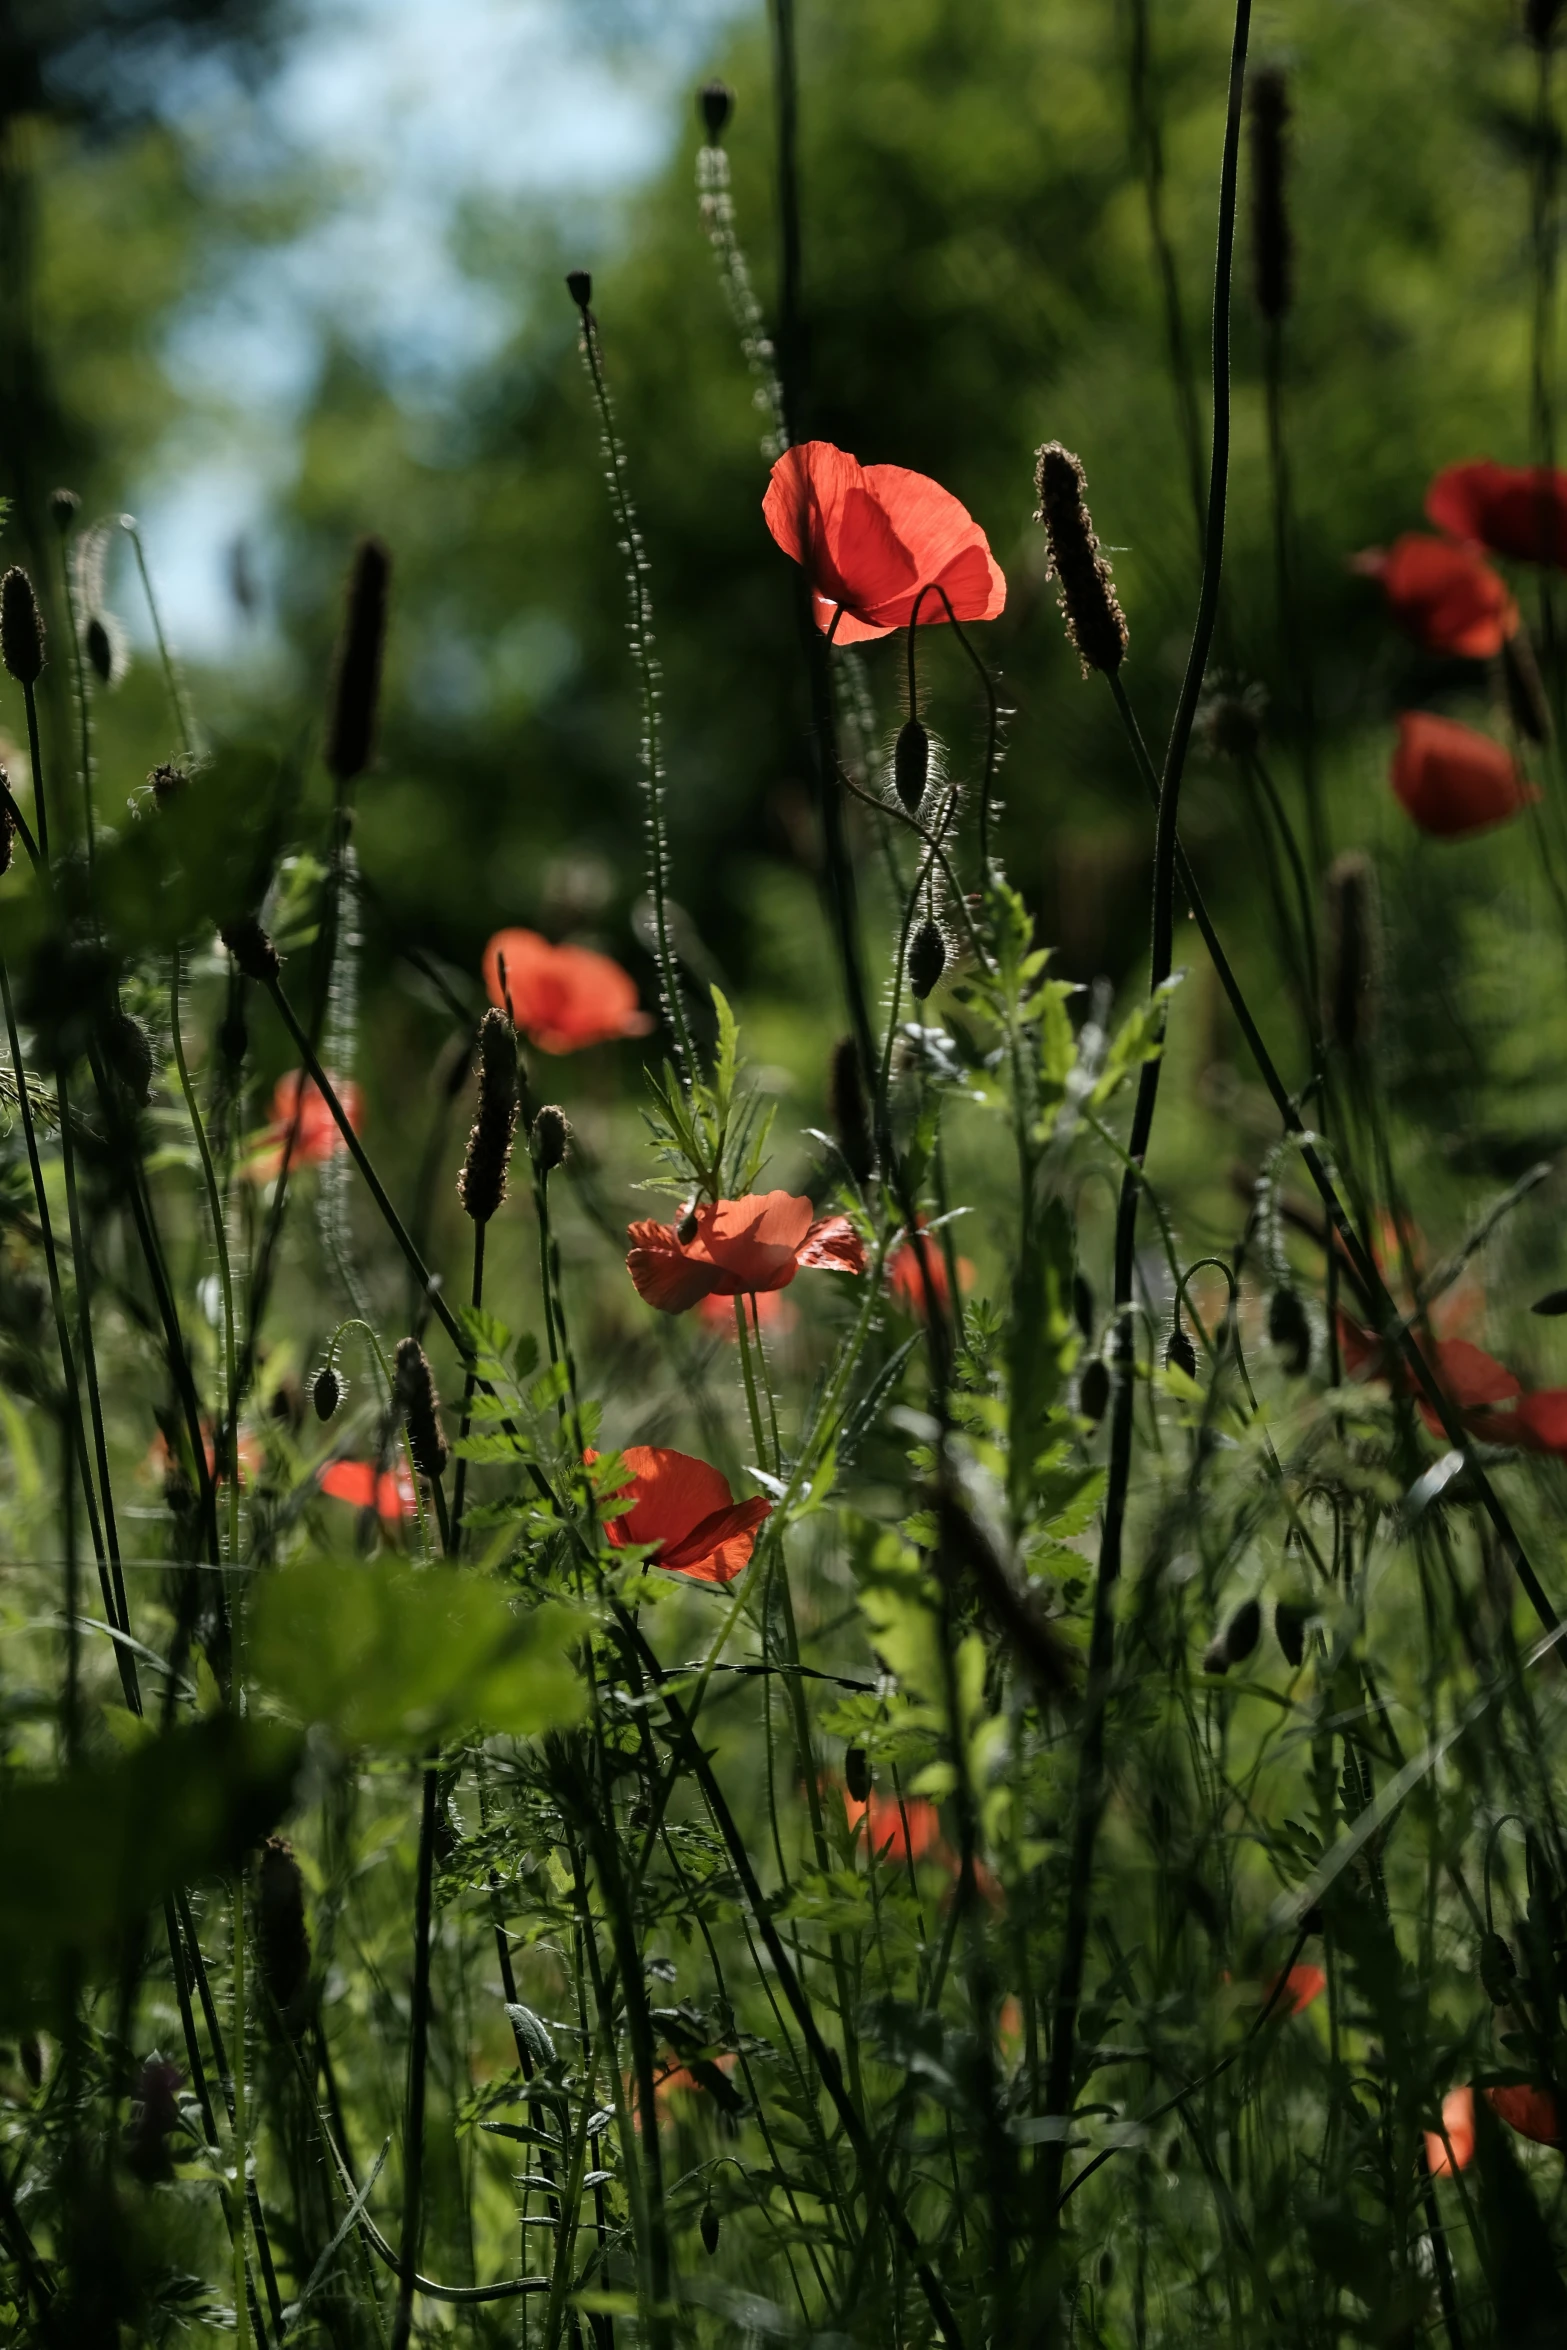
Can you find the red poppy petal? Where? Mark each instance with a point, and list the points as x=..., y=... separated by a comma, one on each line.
x=668, y=1276
x=1452, y=780
x=673, y=1493
x=1531, y=2112
x=561, y=997
x=350, y=1481
x=1542, y=1420
x=717, y=1538
x=756, y=1239
x=1458, y=2124
x=1472, y=1377
x=832, y=1246
x=1447, y=597
x=1517, y=510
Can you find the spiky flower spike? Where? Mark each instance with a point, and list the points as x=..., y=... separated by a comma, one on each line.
x=1352, y=951
x=251, y=949
x=420, y=1408
x=1268, y=94
x=550, y=1139
x=482, y=1184
x=21, y=627
x=850, y=1121
x=351, y=734
x=1094, y=620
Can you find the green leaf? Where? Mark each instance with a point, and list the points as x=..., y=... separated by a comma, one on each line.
x=394, y=1656
x=1140, y=1038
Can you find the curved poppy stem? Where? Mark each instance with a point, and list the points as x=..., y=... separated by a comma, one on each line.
x=993, y=733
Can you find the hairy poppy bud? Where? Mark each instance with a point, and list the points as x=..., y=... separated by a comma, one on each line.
x=1526, y=702
x=1268, y=95
x=351, y=733
x=686, y=1229
x=851, y=1122
x=709, y=2227
x=1289, y=1629
x=99, y=649
x=1290, y=1330
x=283, y=1940
x=1236, y=1642
x=579, y=285
x=550, y=1139
x=857, y=1774
x=1083, y=1305
x=129, y=1050
x=166, y=783
x=1229, y=720
x=1498, y=1969
x=1179, y=1353
x=155, y=2116
x=911, y=764
x=1106, y=2268
x=251, y=949
x=927, y=958
x=420, y=1408
x=1352, y=951
x=1093, y=1390
x=717, y=102
x=21, y=627
x=326, y=1392
x=64, y=506
x=1086, y=593
x=482, y=1184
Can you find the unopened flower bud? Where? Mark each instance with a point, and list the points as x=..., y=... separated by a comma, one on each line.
x=579, y=285
x=1351, y=951
x=1086, y=593
x=283, y=1940
x=1179, y=1353
x=21, y=627
x=709, y=2227
x=851, y=1122
x=1093, y=1390
x=1290, y=1330
x=420, y=1408
x=326, y=1392
x=1268, y=94
x=64, y=506
x=99, y=648
x=351, y=731
x=550, y=1139
x=857, y=1774
x=251, y=949
x=1236, y=1642
x=911, y=764
x=717, y=102
x=129, y=1050
x=166, y=782
x=927, y=958
x=686, y=1228
x=481, y=1186
x=1289, y=1629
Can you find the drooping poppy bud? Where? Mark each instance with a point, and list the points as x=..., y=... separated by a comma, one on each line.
x=356, y=690
x=579, y=285
x=1235, y=1643
x=1289, y=1629
x=21, y=627
x=99, y=647
x=1268, y=94
x=857, y=1774
x=129, y=1050
x=550, y=1139
x=1093, y=1390
x=911, y=764
x=709, y=2227
x=420, y=1408
x=64, y=506
x=1290, y=1330
x=717, y=103
x=851, y=1121
x=326, y=1392
x=1526, y=702
x=1498, y=1969
x=251, y=949
x=927, y=958
x=481, y=1186
x=1179, y=1353
x=1086, y=593
x=1351, y=955
x=1083, y=1305
x=283, y=1940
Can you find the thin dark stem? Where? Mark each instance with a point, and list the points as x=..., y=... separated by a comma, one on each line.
x=1294, y=652
x=36, y=761
x=460, y=1481
x=1148, y=145
x=418, y=2051
x=791, y=355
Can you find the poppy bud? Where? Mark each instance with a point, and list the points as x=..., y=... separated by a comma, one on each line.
x=579, y=285
x=1173, y=2154
x=64, y=506
x=283, y=1940
x=1229, y=720
x=30, y=2051
x=709, y=2227
x=1526, y=702
x=1553, y=1302
x=166, y=782
x=326, y=1392
x=129, y=1050
x=21, y=627
x=100, y=649
x=686, y=1229
x=1290, y=1330
x=251, y=949
x=1498, y=1969
x=1289, y=1629
x=481, y=1186
x=1351, y=956
x=850, y=1121
x=1179, y=1353
x=420, y=1408
x=155, y=2115
x=857, y=1774
x=1236, y=1642
x=1093, y=1390
x=1106, y=2267
x=717, y=102
x=550, y=1139
x=1083, y=1305
x=927, y=958
x=1270, y=229
x=351, y=731
x=911, y=764
x=7, y=832
x=1094, y=620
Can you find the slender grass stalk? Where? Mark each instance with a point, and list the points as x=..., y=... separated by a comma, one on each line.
x=418, y=2052
x=460, y=1481
x=220, y=1238
x=241, y=2117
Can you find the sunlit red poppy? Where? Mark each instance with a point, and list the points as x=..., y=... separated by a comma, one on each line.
x=317, y=1136
x=1447, y=597
x=1517, y=510
x=1452, y=780
x=774, y=1311
x=756, y=1243
x=906, y=1830
x=685, y=1506
x=249, y=1452
x=1489, y=1398
x=906, y=1283
x=1531, y=2112
x=390, y=1492
x=1302, y=1984
x=561, y=998
x=871, y=537
x=1458, y=2123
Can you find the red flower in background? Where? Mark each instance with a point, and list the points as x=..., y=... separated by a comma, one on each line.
x=871, y=537
x=897, y=1831
x=390, y=1493
x=906, y=1283
x=686, y=1507
x=1517, y=510
x=561, y=998
x=756, y=1243
x=1531, y=2112
x=317, y=1136
x=773, y=1310
x=1475, y=1384
x=1447, y=597
x=1458, y=2121
x=1452, y=780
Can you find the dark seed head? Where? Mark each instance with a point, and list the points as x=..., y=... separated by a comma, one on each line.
x=1289, y=1627
x=100, y=650
x=481, y=1186
x=857, y=1774
x=1290, y=1330
x=927, y=958
x=911, y=764
x=283, y=1938
x=1179, y=1353
x=356, y=692
x=1498, y=1969
x=1351, y=974
x=166, y=783
x=550, y=1139
x=21, y=627
x=709, y=2226
x=579, y=285
x=1268, y=94
x=1229, y=719
x=1093, y=1390
x=326, y=1392
x=130, y=1055
x=717, y=103
x=850, y=1118
x=64, y=506
x=1086, y=593
x=251, y=949
x=1083, y=1305
x=420, y=1408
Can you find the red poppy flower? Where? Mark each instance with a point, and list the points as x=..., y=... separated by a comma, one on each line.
x=906, y=1283
x=317, y=1137
x=1452, y=780
x=391, y=1494
x=1531, y=2112
x=687, y=1509
x=774, y=1311
x=1517, y=510
x=561, y=998
x=1458, y=2122
x=1445, y=596
x=897, y=1831
x=872, y=536
x=756, y=1243
x=1302, y=1984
